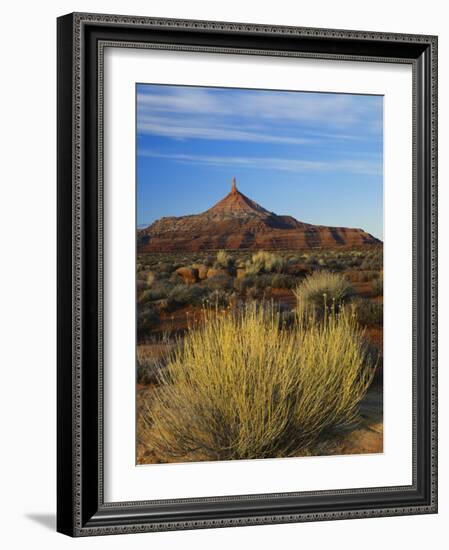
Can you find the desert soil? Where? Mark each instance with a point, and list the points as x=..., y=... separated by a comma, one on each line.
x=366, y=438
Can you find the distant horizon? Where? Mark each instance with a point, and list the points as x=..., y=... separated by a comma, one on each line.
x=315, y=156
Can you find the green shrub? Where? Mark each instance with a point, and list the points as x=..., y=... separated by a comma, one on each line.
x=219, y=282
x=243, y=284
x=166, y=267
x=294, y=259
x=243, y=387
x=259, y=283
x=355, y=262
x=159, y=290
x=147, y=320
x=311, y=260
x=333, y=264
x=280, y=280
x=218, y=298
x=183, y=294
x=253, y=286
x=175, y=279
x=368, y=313
x=373, y=260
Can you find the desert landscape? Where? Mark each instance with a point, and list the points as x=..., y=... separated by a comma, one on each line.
x=258, y=336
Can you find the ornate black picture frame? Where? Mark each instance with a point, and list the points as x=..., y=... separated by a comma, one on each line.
x=81, y=510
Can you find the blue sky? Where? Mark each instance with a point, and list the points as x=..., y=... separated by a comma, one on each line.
x=315, y=156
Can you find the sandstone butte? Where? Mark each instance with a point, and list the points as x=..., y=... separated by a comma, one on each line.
x=238, y=223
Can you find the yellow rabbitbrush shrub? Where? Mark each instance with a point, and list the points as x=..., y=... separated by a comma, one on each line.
x=245, y=387
x=320, y=291
x=265, y=262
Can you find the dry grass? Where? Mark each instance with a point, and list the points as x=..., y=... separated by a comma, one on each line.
x=245, y=387
x=224, y=260
x=321, y=289
x=265, y=262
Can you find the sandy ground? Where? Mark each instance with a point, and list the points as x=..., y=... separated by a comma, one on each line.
x=366, y=438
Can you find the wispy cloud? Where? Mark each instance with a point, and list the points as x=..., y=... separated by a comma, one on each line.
x=331, y=108
x=221, y=114
x=180, y=99
x=192, y=129
x=368, y=167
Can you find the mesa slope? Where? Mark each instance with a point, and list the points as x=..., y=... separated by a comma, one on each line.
x=237, y=222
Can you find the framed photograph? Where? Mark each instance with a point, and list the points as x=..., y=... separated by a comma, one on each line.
x=247, y=251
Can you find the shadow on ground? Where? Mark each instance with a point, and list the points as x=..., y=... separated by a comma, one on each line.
x=46, y=520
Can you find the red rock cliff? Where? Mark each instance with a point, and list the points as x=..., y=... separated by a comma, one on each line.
x=237, y=222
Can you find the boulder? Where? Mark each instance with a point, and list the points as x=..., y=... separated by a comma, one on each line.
x=188, y=274
x=202, y=270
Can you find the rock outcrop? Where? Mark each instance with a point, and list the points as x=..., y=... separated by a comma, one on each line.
x=237, y=222
x=188, y=274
